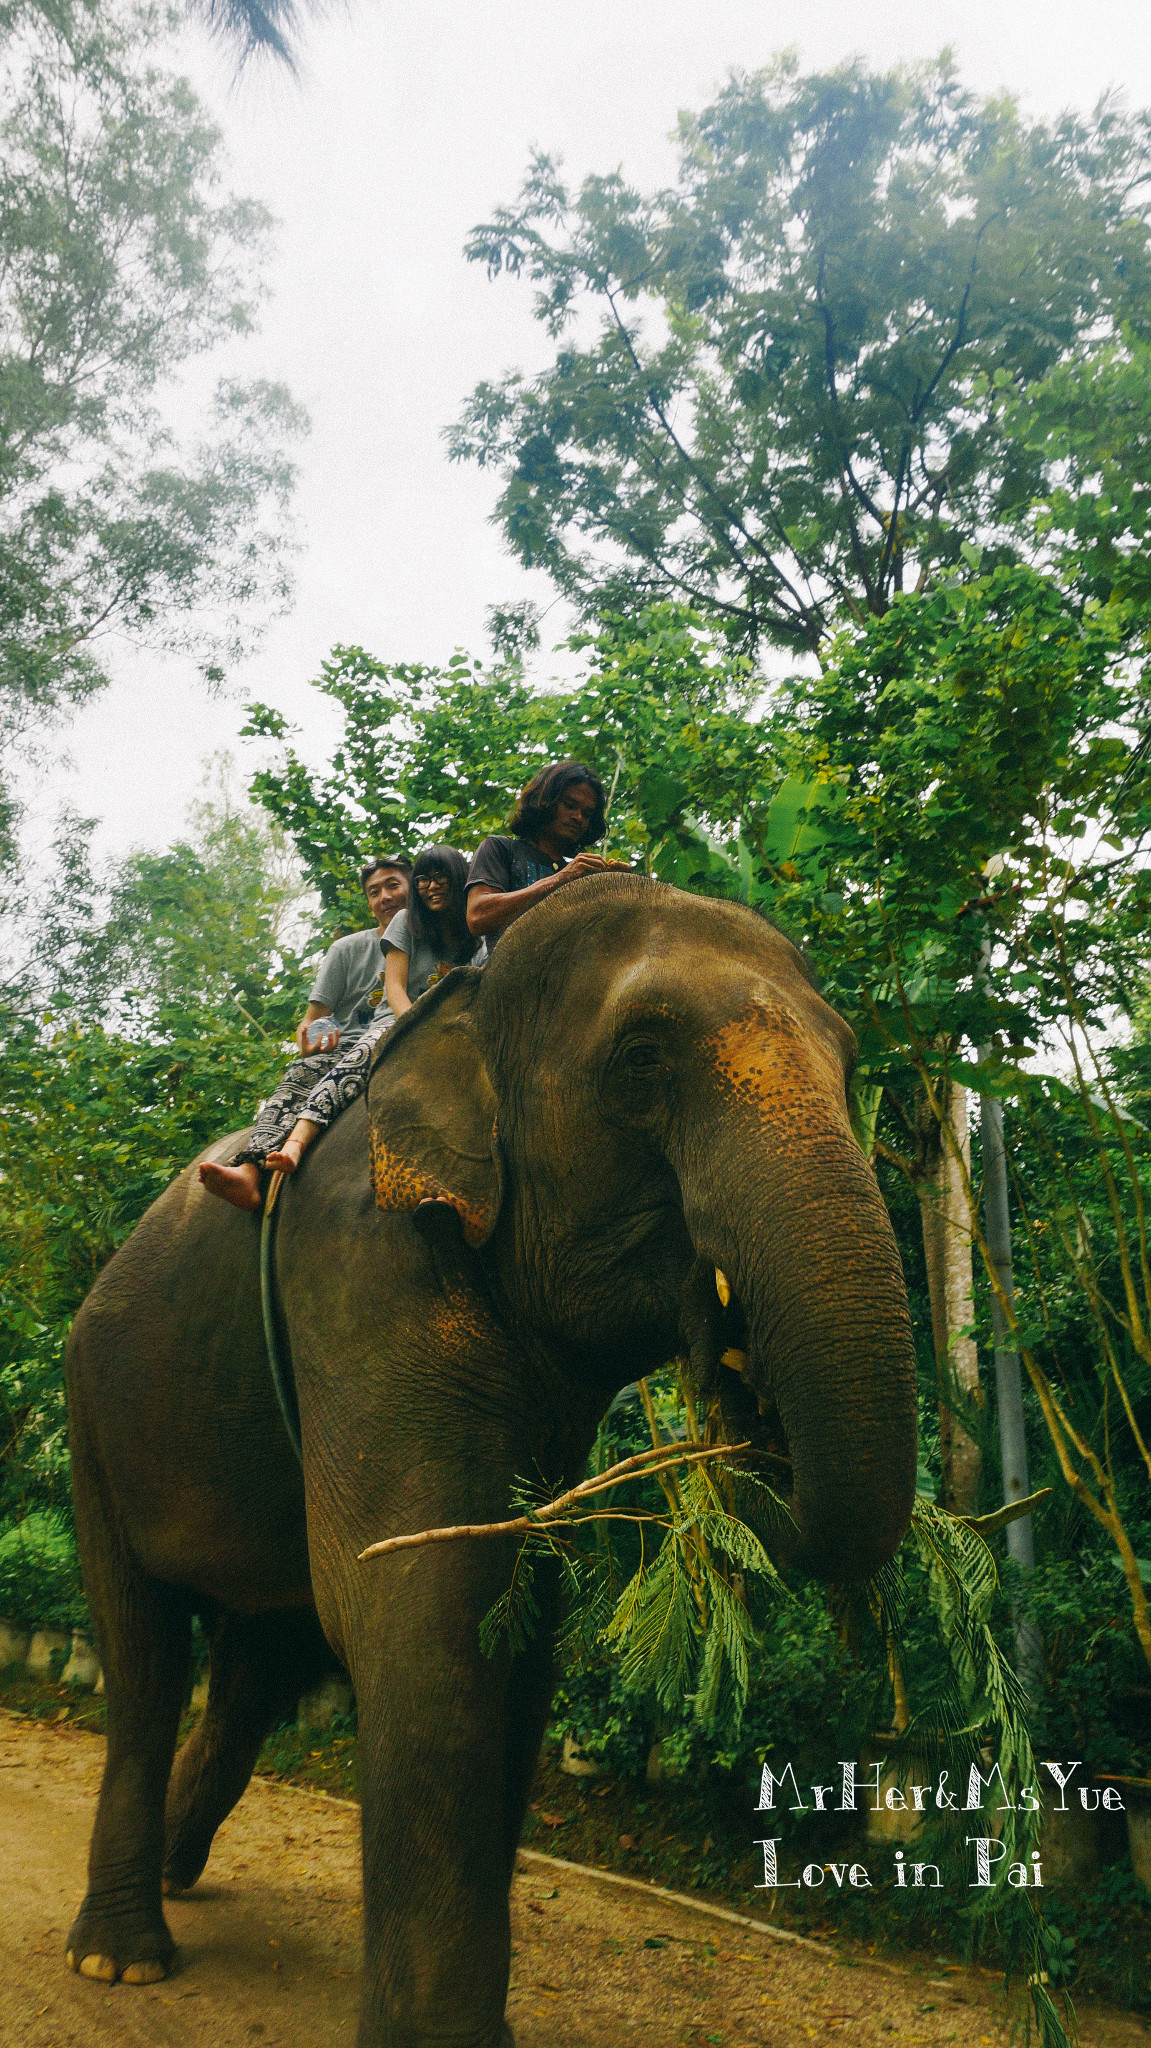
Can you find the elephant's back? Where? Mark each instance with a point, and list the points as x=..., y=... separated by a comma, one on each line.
x=188, y=1250
x=171, y=1397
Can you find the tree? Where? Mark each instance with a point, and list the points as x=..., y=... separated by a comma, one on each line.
x=984, y=795
x=122, y=261
x=218, y=923
x=153, y=1020
x=442, y=753
x=778, y=386
x=254, y=27
x=868, y=328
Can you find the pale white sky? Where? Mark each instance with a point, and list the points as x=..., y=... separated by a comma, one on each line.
x=411, y=119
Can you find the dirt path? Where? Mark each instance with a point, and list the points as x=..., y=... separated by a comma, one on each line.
x=269, y=1945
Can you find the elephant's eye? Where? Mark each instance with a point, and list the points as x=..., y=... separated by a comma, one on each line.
x=642, y=1057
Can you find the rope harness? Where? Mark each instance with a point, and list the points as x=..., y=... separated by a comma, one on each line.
x=277, y=1364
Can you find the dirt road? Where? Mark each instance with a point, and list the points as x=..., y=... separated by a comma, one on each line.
x=270, y=1945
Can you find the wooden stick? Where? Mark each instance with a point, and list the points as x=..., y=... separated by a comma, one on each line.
x=642, y=1466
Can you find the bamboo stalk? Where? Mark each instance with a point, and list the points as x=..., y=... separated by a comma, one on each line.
x=670, y=1490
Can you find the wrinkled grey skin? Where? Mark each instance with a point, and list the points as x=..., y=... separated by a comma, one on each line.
x=641, y=1086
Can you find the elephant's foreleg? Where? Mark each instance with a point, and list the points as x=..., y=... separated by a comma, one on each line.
x=435, y=1746
x=260, y=1664
x=529, y=1701
x=143, y=1633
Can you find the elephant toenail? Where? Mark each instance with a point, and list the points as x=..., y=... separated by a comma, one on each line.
x=143, y=1973
x=102, y=1968
x=70, y=1958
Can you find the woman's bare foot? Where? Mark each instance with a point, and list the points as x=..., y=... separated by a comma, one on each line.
x=239, y=1185
x=287, y=1158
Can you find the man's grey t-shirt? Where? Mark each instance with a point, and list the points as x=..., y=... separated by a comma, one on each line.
x=425, y=961
x=350, y=980
x=509, y=865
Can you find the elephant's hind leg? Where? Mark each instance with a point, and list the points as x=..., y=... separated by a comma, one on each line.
x=143, y=1631
x=260, y=1664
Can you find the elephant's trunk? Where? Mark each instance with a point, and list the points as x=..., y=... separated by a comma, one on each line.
x=792, y=1216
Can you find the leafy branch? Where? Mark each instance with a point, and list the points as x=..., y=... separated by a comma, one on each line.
x=559, y=1512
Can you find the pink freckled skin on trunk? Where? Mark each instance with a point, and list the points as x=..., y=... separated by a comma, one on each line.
x=777, y=1069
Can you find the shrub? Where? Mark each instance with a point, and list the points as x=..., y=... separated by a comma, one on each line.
x=40, y=1575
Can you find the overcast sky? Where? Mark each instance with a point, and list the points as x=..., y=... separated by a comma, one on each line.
x=409, y=121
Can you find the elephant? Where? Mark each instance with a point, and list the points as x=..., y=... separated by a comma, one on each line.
x=556, y=1154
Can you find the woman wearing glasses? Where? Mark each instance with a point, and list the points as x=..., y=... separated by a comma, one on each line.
x=421, y=944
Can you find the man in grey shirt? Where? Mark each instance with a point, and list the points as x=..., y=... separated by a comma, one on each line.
x=349, y=984
x=348, y=990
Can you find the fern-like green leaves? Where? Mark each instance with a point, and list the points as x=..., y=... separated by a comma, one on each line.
x=683, y=1627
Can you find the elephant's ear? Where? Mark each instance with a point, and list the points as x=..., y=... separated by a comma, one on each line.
x=432, y=1111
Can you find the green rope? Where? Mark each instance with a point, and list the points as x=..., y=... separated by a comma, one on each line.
x=281, y=1375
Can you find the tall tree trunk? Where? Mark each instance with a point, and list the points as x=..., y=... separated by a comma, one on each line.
x=1009, y=1379
x=947, y=1252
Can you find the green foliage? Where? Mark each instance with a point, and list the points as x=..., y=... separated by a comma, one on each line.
x=122, y=260
x=779, y=386
x=96, y=1120
x=970, y=739
x=607, y=1719
x=1104, y=1932
x=92, y=1128
x=681, y=1627
x=806, y=1701
x=40, y=1574
x=443, y=753
x=1096, y=1700
x=1088, y=422
x=213, y=923
x=972, y=1701
x=681, y=1633
x=255, y=28
x=977, y=876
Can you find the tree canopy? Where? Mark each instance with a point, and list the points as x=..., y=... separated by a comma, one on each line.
x=123, y=258
x=432, y=753
x=149, y=1012
x=781, y=388
x=255, y=28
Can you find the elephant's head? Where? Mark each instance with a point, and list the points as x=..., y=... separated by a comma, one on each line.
x=643, y=1089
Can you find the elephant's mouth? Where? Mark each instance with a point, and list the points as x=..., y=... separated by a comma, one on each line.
x=746, y=1401
x=723, y=1357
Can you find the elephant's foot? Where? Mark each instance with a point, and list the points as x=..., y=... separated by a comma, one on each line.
x=102, y=1969
x=134, y=1947
x=197, y=1803
x=183, y=1864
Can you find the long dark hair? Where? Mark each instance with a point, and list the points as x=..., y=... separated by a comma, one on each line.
x=537, y=803
x=447, y=927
